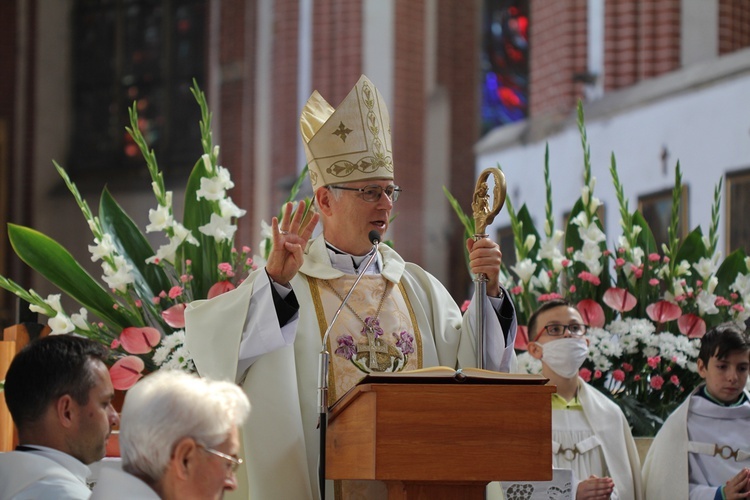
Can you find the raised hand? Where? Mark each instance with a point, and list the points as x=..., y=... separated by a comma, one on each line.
x=289, y=237
x=485, y=257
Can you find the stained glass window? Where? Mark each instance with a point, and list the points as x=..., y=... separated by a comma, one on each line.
x=505, y=62
x=144, y=51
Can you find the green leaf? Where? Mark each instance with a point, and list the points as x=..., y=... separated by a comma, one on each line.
x=733, y=265
x=528, y=229
x=205, y=258
x=130, y=242
x=646, y=240
x=56, y=264
x=693, y=248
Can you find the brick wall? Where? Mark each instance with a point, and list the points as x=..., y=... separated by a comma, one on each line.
x=558, y=45
x=734, y=25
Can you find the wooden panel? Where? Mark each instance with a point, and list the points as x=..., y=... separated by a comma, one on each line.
x=7, y=351
x=446, y=433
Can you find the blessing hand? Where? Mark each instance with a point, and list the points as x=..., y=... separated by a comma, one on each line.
x=289, y=240
x=485, y=257
x=595, y=488
x=737, y=487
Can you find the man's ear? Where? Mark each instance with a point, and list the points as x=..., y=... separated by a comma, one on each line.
x=66, y=410
x=535, y=350
x=702, y=368
x=323, y=198
x=184, y=457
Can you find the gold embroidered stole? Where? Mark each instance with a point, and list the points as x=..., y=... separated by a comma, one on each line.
x=396, y=344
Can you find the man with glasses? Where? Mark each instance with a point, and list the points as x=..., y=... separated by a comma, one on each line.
x=590, y=434
x=269, y=331
x=179, y=439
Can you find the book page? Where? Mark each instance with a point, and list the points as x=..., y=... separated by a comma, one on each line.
x=446, y=374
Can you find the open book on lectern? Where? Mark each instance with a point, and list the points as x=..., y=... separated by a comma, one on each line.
x=448, y=375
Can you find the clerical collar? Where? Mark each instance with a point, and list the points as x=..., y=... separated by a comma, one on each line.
x=348, y=263
x=703, y=391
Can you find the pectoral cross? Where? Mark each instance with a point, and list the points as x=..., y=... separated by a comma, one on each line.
x=374, y=349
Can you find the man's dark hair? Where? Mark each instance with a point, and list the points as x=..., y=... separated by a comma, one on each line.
x=47, y=369
x=550, y=304
x=723, y=340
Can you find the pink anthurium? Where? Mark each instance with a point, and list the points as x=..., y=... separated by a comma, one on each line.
x=619, y=299
x=126, y=372
x=692, y=325
x=139, y=340
x=175, y=316
x=592, y=313
x=219, y=288
x=522, y=338
x=663, y=311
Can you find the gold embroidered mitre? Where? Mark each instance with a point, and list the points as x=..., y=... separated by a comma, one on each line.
x=350, y=143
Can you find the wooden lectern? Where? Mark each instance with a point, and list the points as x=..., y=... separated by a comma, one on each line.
x=441, y=441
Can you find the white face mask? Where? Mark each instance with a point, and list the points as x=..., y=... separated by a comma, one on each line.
x=565, y=356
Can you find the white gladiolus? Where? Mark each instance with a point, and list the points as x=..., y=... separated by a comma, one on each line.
x=529, y=242
x=224, y=177
x=60, y=324
x=103, y=248
x=211, y=189
x=160, y=219
x=181, y=233
x=683, y=269
x=713, y=282
x=229, y=209
x=525, y=270
x=550, y=247
x=119, y=277
x=591, y=234
x=741, y=285
x=706, y=302
x=706, y=267
x=207, y=163
x=585, y=193
x=80, y=319
x=165, y=252
x=219, y=228
x=52, y=300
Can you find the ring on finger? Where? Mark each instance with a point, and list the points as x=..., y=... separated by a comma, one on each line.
x=284, y=232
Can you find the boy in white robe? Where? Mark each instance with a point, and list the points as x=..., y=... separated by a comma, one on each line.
x=703, y=449
x=268, y=332
x=590, y=434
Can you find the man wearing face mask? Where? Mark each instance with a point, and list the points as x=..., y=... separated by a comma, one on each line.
x=590, y=434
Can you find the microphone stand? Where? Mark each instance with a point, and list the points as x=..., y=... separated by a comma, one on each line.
x=323, y=361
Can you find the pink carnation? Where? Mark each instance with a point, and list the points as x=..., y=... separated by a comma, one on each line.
x=619, y=262
x=627, y=367
x=653, y=282
x=653, y=362
x=675, y=380
x=585, y=374
x=597, y=374
x=587, y=276
x=656, y=382
x=722, y=302
x=618, y=375
x=225, y=267
x=175, y=292
x=738, y=308
x=653, y=257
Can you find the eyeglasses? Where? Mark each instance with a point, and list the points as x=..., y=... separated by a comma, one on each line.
x=373, y=192
x=234, y=463
x=575, y=329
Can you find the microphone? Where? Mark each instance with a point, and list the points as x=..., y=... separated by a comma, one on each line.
x=323, y=360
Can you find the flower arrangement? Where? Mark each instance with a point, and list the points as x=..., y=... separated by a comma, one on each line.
x=646, y=306
x=140, y=312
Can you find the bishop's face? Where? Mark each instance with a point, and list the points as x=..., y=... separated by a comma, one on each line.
x=349, y=218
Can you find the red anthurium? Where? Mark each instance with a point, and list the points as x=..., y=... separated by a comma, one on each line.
x=663, y=311
x=592, y=313
x=692, y=325
x=139, y=340
x=175, y=316
x=219, y=288
x=126, y=372
x=619, y=299
x=522, y=338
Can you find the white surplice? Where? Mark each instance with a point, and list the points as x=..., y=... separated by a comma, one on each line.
x=240, y=329
x=42, y=474
x=116, y=484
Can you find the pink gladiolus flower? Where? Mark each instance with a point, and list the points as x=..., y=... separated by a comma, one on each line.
x=592, y=312
x=139, y=340
x=656, y=382
x=175, y=292
x=585, y=374
x=619, y=299
x=126, y=372
x=653, y=361
x=175, y=316
x=522, y=338
x=692, y=325
x=663, y=311
x=627, y=367
x=618, y=375
x=219, y=288
x=587, y=276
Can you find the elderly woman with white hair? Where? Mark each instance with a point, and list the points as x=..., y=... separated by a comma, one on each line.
x=179, y=438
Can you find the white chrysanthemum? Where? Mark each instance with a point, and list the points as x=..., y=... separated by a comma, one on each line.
x=80, y=319
x=524, y=270
x=219, y=228
x=651, y=351
x=602, y=363
x=60, y=324
x=529, y=364
x=103, y=247
x=160, y=219
x=610, y=348
x=229, y=209
x=160, y=354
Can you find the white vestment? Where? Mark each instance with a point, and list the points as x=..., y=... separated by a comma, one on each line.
x=281, y=439
x=42, y=474
x=678, y=449
x=116, y=484
x=604, y=443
